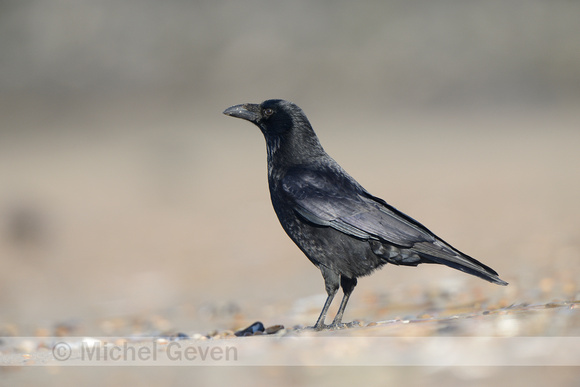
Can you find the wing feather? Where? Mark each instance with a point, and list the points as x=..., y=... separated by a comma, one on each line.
x=348, y=208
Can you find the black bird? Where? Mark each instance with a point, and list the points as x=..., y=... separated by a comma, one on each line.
x=344, y=230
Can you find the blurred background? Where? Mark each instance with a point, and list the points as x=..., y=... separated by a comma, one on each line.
x=128, y=200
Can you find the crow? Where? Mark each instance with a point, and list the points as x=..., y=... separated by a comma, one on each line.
x=343, y=230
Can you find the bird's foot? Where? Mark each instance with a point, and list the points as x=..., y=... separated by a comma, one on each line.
x=335, y=326
x=341, y=325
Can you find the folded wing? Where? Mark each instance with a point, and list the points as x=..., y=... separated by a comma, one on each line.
x=325, y=200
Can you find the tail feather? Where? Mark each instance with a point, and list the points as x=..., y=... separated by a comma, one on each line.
x=444, y=254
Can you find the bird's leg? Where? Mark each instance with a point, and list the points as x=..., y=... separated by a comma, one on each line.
x=331, y=282
x=347, y=285
x=320, y=322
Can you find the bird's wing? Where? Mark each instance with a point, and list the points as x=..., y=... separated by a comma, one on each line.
x=326, y=198
x=342, y=204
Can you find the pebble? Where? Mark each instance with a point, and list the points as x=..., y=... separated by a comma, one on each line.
x=255, y=327
x=181, y=336
x=274, y=329
x=212, y=334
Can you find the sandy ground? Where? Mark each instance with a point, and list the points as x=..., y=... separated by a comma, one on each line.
x=115, y=224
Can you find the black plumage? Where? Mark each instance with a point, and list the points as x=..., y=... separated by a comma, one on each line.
x=343, y=229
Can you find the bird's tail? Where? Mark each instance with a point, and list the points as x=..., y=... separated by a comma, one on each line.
x=439, y=252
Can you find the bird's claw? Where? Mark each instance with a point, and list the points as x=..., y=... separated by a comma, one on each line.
x=335, y=326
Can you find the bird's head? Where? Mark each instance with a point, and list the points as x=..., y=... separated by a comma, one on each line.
x=273, y=117
x=284, y=126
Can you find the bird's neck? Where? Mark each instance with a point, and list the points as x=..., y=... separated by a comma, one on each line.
x=292, y=151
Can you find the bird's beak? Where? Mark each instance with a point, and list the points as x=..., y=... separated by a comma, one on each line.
x=246, y=111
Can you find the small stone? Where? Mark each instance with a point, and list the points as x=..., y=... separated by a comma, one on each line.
x=181, y=336
x=64, y=330
x=273, y=329
x=212, y=334
x=255, y=327
x=40, y=332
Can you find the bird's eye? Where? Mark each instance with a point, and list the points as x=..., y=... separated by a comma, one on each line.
x=268, y=112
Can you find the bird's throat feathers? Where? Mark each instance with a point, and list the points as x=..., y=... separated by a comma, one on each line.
x=299, y=146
